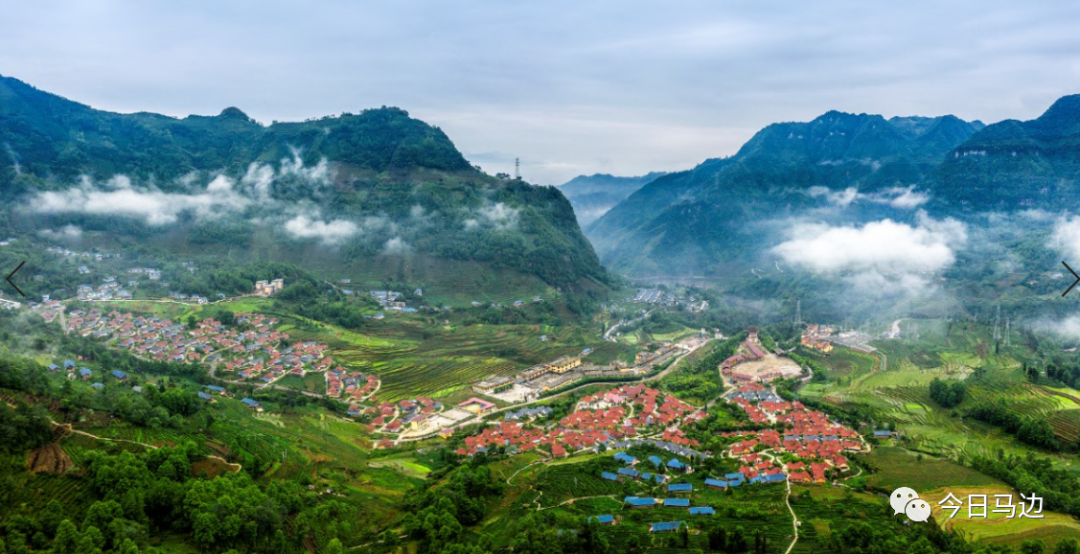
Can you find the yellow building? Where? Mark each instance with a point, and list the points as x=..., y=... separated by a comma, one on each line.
x=564, y=364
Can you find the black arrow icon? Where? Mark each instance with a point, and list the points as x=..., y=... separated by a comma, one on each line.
x=1074, y=275
x=24, y=263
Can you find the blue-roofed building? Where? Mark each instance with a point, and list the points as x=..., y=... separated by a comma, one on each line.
x=660, y=478
x=755, y=480
x=665, y=526
x=609, y=476
x=656, y=461
x=603, y=520
x=676, y=502
x=716, y=483
x=120, y=375
x=621, y=456
x=628, y=472
x=646, y=476
x=98, y=386
x=254, y=405
x=733, y=476
x=629, y=459
x=68, y=364
x=674, y=463
x=636, y=502
x=680, y=487
x=205, y=396
x=54, y=367
x=775, y=478
x=734, y=483
x=215, y=388
x=702, y=511
x=85, y=373
x=882, y=434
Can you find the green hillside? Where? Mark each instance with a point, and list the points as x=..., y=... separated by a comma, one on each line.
x=711, y=219
x=354, y=187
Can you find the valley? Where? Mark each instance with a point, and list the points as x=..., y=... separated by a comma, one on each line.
x=339, y=335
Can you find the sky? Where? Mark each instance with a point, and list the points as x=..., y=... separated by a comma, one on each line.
x=621, y=87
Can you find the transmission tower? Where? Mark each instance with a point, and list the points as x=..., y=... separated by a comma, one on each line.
x=997, y=324
x=517, y=168
x=1006, y=331
x=798, y=312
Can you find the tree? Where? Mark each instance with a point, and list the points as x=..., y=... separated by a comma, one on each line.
x=717, y=539
x=67, y=538
x=334, y=547
x=1036, y=546
x=1067, y=546
x=684, y=535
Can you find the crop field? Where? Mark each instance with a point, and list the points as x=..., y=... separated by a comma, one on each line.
x=898, y=467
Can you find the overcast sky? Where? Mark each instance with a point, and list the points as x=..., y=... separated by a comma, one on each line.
x=616, y=87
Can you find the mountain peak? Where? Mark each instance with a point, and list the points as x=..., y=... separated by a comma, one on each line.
x=234, y=113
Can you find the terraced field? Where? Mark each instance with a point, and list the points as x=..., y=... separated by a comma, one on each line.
x=996, y=527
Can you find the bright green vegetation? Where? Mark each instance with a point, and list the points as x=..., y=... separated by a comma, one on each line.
x=895, y=467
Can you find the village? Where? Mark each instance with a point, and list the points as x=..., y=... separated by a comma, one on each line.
x=615, y=417
x=252, y=349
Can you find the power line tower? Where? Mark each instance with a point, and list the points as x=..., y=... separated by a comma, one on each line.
x=798, y=312
x=1006, y=331
x=997, y=324
x=517, y=168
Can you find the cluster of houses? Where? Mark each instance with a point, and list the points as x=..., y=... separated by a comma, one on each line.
x=267, y=288
x=601, y=419
x=61, y=251
x=392, y=300
x=817, y=442
x=649, y=408
x=393, y=417
x=354, y=385
x=817, y=337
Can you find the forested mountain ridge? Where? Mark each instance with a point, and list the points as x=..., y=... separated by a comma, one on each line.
x=361, y=186
x=703, y=220
x=593, y=195
x=1017, y=164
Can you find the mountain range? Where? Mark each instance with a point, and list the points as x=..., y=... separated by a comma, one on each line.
x=343, y=192
x=593, y=195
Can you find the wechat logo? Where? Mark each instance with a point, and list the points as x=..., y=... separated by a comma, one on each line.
x=906, y=501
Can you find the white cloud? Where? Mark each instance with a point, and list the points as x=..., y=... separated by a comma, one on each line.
x=396, y=245
x=14, y=158
x=260, y=177
x=842, y=198
x=905, y=198
x=880, y=256
x=1066, y=237
x=118, y=196
x=498, y=216
x=66, y=232
x=327, y=232
x=1067, y=328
